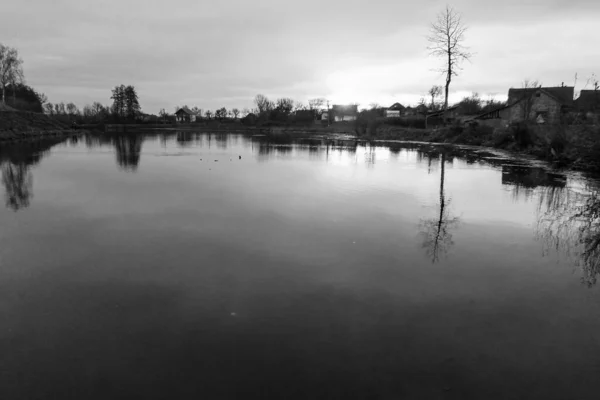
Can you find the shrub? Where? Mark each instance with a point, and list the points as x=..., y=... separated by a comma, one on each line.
x=407, y=122
x=502, y=138
x=522, y=133
x=558, y=140
x=482, y=130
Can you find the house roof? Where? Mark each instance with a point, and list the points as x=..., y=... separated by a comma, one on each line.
x=480, y=116
x=563, y=94
x=441, y=112
x=396, y=106
x=349, y=109
x=588, y=100
x=185, y=110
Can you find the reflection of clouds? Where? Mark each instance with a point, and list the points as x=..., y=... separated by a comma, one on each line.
x=568, y=223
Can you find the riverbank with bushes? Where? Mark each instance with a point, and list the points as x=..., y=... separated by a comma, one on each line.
x=573, y=146
x=24, y=125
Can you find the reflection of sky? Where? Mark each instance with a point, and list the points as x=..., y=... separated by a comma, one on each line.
x=318, y=257
x=395, y=182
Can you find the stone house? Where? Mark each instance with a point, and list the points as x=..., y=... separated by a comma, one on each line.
x=184, y=114
x=543, y=104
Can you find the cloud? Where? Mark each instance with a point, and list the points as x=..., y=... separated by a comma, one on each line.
x=214, y=54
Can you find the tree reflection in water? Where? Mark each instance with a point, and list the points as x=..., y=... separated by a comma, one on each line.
x=18, y=182
x=437, y=231
x=568, y=223
x=15, y=162
x=128, y=149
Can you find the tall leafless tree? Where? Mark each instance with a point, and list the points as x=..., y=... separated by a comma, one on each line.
x=11, y=68
x=446, y=38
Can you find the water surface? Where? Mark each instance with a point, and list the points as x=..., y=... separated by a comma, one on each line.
x=216, y=266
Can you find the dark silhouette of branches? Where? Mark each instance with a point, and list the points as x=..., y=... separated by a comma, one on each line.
x=569, y=223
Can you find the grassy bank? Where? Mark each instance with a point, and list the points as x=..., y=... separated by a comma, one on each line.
x=20, y=125
x=574, y=146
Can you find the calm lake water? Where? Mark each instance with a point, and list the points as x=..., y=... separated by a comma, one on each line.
x=203, y=266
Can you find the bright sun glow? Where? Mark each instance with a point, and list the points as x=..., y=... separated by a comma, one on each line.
x=366, y=85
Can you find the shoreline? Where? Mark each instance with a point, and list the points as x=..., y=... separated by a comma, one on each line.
x=13, y=137
x=577, y=156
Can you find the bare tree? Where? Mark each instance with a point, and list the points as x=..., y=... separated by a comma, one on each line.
x=316, y=104
x=208, y=114
x=221, y=113
x=49, y=108
x=235, y=112
x=298, y=106
x=43, y=98
x=434, y=92
x=97, y=108
x=11, y=68
x=59, y=108
x=446, y=38
x=285, y=105
x=263, y=104
x=72, y=110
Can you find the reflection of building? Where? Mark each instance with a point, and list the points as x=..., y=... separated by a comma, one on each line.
x=184, y=114
x=531, y=177
x=344, y=112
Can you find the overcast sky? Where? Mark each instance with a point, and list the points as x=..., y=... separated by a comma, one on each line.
x=223, y=53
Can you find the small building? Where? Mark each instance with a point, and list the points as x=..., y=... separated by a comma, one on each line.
x=588, y=101
x=184, y=114
x=344, y=112
x=450, y=113
x=542, y=104
x=497, y=117
x=394, y=111
x=324, y=115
